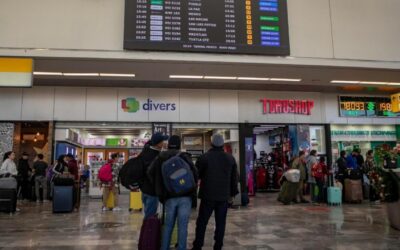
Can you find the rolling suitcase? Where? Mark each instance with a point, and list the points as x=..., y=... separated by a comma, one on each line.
x=8, y=200
x=110, y=201
x=135, y=201
x=334, y=196
x=150, y=234
x=63, y=199
x=8, y=194
x=353, y=191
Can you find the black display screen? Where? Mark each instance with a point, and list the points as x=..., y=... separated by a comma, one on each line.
x=226, y=26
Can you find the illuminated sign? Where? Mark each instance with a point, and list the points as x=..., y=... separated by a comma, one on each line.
x=299, y=107
x=351, y=106
x=395, y=103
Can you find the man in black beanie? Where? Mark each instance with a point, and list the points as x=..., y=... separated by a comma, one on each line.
x=219, y=179
x=175, y=181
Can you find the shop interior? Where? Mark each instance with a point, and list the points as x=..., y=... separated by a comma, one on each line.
x=274, y=147
x=94, y=144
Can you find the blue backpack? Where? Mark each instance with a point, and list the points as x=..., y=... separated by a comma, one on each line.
x=177, y=175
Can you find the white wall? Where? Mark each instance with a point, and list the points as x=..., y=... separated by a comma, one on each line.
x=335, y=29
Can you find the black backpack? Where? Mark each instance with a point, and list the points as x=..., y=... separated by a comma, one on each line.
x=132, y=173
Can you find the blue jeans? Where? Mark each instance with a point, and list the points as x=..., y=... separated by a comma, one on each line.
x=150, y=205
x=176, y=208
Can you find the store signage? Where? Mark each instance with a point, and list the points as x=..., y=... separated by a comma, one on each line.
x=116, y=142
x=351, y=106
x=164, y=128
x=132, y=105
x=363, y=133
x=16, y=72
x=299, y=107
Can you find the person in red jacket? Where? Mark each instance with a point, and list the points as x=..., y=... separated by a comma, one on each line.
x=319, y=172
x=74, y=171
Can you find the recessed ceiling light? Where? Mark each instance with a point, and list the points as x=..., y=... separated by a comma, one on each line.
x=40, y=73
x=253, y=78
x=373, y=83
x=344, y=81
x=221, y=77
x=285, y=79
x=81, y=74
x=186, y=77
x=394, y=83
x=116, y=75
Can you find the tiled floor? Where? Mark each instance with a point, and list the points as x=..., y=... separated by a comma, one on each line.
x=265, y=224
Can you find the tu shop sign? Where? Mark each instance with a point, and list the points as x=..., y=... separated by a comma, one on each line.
x=290, y=106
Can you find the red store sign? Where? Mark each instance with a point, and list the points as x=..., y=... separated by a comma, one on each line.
x=300, y=107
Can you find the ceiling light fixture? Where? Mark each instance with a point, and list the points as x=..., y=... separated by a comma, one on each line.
x=373, y=83
x=41, y=73
x=253, y=78
x=116, y=75
x=185, y=77
x=80, y=74
x=285, y=80
x=221, y=77
x=394, y=83
x=344, y=81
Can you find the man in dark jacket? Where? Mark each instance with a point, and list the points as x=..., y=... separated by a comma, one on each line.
x=40, y=167
x=177, y=206
x=24, y=172
x=149, y=153
x=218, y=184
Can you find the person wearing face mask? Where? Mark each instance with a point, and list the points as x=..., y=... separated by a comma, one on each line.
x=24, y=172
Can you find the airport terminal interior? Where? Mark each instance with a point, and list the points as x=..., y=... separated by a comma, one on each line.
x=287, y=111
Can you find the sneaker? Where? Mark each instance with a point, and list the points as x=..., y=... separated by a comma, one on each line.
x=45, y=201
x=115, y=209
x=17, y=210
x=304, y=201
x=104, y=209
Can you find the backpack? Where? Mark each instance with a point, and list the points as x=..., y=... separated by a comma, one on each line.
x=105, y=173
x=177, y=175
x=317, y=171
x=131, y=173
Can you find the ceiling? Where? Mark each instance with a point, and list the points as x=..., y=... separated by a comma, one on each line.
x=155, y=74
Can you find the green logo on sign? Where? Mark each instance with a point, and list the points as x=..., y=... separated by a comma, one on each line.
x=371, y=106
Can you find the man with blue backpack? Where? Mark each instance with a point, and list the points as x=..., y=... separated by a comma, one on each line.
x=175, y=180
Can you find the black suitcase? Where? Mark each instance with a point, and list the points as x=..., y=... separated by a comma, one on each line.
x=63, y=199
x=8, y=200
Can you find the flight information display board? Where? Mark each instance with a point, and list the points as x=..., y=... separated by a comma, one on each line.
x=227, y=26
x=351, y=106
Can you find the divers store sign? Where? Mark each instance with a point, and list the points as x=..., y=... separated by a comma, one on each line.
x=298, y=107
x=133, y=105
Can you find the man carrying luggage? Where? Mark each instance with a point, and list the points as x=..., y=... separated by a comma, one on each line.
x=218, y=176
x=175, y=180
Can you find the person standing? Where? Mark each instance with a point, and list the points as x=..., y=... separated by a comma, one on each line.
x=149, y=153
x=24, y=172
x=219, y=179
x=373, y=175
x=177, y=205
x=40, y=168
x=112, y=185
x=311, y=161
x=8, y=166
x=299, y=163
x=320, y=172
x=73, y=169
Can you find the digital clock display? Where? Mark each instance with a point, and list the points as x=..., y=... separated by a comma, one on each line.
x=365, y=107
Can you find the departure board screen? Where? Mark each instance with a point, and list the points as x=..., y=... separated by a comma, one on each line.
x=226, y=26
x=351, y=106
